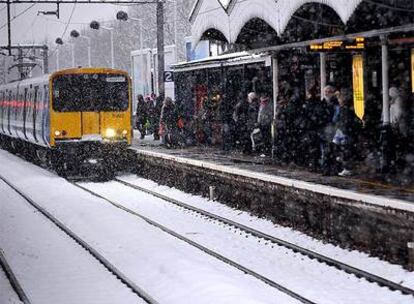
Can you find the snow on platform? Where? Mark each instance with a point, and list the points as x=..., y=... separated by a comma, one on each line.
x=354, y=188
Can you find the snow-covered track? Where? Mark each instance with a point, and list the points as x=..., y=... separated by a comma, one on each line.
x=108, y=265
x=295, y=248
x=201, y=247
x=12, y=278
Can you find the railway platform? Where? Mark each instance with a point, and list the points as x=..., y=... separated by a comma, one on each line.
x=354, y=212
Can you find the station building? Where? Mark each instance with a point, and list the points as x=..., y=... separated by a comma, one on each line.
x=365, y=45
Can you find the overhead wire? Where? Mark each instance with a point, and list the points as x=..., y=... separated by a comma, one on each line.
x=18, y=15
x=400, y=9
x=65, y=30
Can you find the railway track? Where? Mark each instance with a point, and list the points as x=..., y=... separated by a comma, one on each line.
x=12, y=278
x=201, y=247
x=295, y=248
x=107, y=264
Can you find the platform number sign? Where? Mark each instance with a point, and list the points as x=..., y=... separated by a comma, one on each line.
x=168, y=76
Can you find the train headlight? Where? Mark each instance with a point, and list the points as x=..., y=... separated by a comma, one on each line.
x=57, y=133
x=110, y=133
x=124, y=133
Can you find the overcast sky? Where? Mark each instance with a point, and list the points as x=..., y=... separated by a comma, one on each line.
x=29, y=27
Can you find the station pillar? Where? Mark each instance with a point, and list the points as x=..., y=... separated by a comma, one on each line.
x=275, y=75
x=386, y=137
x=385, y=82
x=323, y=73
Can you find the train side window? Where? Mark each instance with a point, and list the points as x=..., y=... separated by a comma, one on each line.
x=29, y=107
x=24, y=104
x=1, y=105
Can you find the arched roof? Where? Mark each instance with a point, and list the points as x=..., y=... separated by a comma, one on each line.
x=229, y=16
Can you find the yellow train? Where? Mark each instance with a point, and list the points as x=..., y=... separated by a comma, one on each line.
x=74, y=119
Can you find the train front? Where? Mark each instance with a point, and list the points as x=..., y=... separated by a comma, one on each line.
x=90, y=120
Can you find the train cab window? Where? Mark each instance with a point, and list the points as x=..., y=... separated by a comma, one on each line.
x=90, y=92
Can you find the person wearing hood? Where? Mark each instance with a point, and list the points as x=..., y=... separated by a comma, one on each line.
x=264, y=119
x=168, y=122
x=141, y=116
x=397, y=112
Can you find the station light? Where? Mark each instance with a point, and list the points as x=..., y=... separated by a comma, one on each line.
x=121, y=15
x=94, y=25
x=74, y=34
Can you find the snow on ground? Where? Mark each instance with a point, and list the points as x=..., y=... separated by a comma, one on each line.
x=168, y=269
x=7, y=294
x=315, y=281
x=50, y=266
x=355, y=258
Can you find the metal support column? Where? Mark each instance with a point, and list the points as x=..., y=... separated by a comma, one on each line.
x=275, y=73
x=385, y=82
x=45, y=54
x=160, y=48
x=9, y=27
x=73, y=54
x=57, y=58
x=112, y=50
x=387, y=146
x=323, y=73
x=20, y=63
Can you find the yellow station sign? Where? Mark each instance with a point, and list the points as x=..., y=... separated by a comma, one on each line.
x=358, y=85
x=339, y=45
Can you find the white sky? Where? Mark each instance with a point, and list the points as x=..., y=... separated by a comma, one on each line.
x=29, y=27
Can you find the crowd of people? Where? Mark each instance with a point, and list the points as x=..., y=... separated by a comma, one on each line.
x=321, y=134
x=158, y=117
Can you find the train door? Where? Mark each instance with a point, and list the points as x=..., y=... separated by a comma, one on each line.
x=45, y=115
x=15, y=112
x=90, y=123
x=25, y=103
x=35, y=106
x=2, y=101
x=29, y=116
x=9, y=101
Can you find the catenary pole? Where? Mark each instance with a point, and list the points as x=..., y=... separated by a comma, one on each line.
x=160, y=48
x=9, y=27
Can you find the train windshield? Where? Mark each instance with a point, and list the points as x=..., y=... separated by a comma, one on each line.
x=90, y=93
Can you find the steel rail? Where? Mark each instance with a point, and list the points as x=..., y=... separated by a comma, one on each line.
x=108, y=265
x=295, y=248
x=12, y=278
x=201, y=247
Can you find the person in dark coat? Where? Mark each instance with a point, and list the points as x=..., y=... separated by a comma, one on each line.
x=168, y=122
x=347, y=131
x=225, y=110
x=264, y=119
x=154, y=113
x=251, y=120
x=240, y=117
x=141, y=116
x=327, y=146
x=315, y=117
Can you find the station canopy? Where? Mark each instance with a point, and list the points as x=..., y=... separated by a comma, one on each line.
x=271, y=22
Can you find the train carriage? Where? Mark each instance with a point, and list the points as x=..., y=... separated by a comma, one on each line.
x=75, y=119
